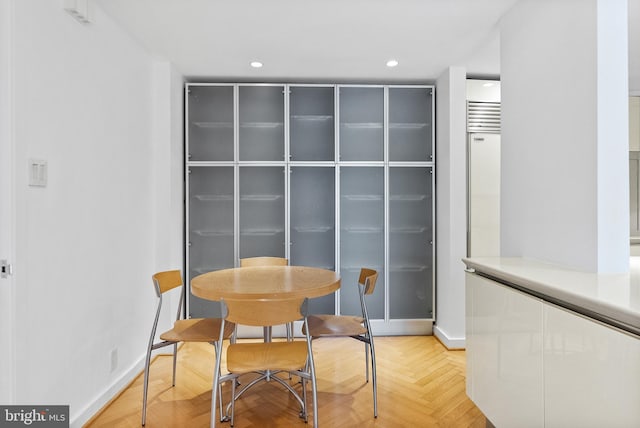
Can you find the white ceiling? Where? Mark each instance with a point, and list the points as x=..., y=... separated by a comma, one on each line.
x=327, y=40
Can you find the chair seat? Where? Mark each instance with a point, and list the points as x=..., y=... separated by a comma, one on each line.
x=335, y=325
x=249, y=357
x=197, y=330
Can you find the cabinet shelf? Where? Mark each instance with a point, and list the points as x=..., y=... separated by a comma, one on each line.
x=213, y=232
x=408, y=229
x=408, y=197
x=261, y=232
x=363, y=197
x=362, y=125
x=213, y=198
x=357, y=229
x=264, y=125
x=312, y=229
x=260, y=197
x=408, y=268
x=213, y=125
x=312, y=117
x=408, y=125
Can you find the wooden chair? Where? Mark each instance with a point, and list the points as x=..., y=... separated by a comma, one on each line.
x=357, y=327
x=184, y=330
x=266, y=357
x=268, y=261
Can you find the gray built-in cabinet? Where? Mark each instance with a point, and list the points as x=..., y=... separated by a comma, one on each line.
x=333, y=176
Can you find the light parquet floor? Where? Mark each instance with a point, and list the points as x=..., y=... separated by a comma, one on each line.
x=420, y=384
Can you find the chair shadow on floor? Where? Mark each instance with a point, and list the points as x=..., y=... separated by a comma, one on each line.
x=265, y=401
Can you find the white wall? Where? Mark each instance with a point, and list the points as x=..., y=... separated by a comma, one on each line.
x=86, y=244
x=564, y=154
x=613, y=135
x=168, y=113
x=7, y=226
x=451, y=206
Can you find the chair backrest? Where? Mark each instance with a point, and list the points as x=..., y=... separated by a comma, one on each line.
x=264, y=312
x=263, y=261
x=167, y=280
x=368, y=278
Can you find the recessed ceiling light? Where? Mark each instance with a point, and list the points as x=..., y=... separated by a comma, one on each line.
x=256, y=64
x=392, y=63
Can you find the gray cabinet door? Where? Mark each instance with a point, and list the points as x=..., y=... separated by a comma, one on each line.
x=410, y=124
x=261, y=123
x=209, y=122
x=410, y=242
x=312, y=223
x=361, y=236
x=211, y=226
x=311, y=123
x=361, y=123
x=262, y=211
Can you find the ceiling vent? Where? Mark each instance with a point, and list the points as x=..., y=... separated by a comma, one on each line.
x=483, y=117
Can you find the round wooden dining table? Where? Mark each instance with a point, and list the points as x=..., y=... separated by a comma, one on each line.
x=265, y=282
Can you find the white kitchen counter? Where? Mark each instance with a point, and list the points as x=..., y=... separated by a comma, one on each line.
x=552, y=347
x=610, y=298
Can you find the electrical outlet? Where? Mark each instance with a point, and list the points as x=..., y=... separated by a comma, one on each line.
x=113, y=359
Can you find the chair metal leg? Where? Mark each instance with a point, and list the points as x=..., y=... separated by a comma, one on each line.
x=234, y=335
x=314, y=393
x=233, y=402
x=303, y=381
x=215, y=390
x=366, y=358
x=289, y=328
x=145, y=386
x=220, y=403
x=289, y=331
x=175, y=357
x=373, y=374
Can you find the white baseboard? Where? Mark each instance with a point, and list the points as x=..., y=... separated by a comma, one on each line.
x=448, y=342
x=77, y=420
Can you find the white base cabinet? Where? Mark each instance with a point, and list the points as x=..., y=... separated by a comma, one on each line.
x=591, y=373
x=504, y=353
x=533, y=364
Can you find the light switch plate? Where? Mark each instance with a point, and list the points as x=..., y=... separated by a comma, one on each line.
x=37, y=172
